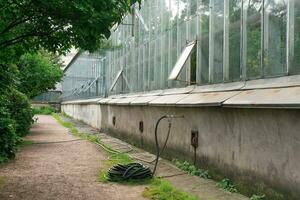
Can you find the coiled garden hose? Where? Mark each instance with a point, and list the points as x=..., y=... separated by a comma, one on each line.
x=132, y=171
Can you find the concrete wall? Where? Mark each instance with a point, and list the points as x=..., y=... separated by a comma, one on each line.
x=260, y=144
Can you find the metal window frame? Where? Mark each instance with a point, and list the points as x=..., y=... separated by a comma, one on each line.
x=119, y=75
x=90, y=84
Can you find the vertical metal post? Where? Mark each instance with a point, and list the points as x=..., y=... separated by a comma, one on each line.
x=226, y=42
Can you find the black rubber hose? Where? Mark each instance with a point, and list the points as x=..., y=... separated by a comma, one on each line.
x=166, y=141
x=131, y=171
x=156, y=143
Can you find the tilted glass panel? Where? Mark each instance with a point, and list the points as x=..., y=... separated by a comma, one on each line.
x=275, y=30
x=181, y=61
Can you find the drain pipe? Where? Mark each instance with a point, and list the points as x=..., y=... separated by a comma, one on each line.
x=158, y=152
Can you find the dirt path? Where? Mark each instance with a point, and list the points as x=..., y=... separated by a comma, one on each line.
x=59, y=170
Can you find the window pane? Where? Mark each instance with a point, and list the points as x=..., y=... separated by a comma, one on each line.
x=275, y=22
x=253, y=64
x=234, y=39
x=295, y=37
x=181, y=61
x=216, y=41
x=203, y=45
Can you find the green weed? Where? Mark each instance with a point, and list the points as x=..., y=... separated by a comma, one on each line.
x=226, y=184
x=24, y=143
x=163, y=190
x=192, y=169
x=257, y=197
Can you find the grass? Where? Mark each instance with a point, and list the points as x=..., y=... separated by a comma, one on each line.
x=160, y=189
x=45, y=110
x=25, y=143
x=157, y=189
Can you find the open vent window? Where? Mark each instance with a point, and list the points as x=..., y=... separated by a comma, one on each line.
x=184, y=56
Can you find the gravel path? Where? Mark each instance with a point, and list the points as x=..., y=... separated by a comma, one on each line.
x=59, y=170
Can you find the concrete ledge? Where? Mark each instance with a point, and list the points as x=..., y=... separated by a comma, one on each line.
x=83, y=101
x=255, y=93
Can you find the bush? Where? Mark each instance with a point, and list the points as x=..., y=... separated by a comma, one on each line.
x=8, y=137
x=20, y=111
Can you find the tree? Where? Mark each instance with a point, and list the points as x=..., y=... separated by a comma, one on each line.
x=38, y=73
x=56, y=25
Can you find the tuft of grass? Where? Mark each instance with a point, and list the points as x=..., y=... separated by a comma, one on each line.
x=192, y=169
x=62, y=122
x=258, y=197
x=24, y=143
x=226, y=185
x=163, y=190
x=45, y=110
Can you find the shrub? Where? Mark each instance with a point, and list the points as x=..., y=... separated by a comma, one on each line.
x=8, y=137
x=20, y=111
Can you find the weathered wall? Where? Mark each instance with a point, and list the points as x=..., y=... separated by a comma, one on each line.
x=263, y=144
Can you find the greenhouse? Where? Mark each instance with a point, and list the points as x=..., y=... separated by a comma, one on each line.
x=209, y=42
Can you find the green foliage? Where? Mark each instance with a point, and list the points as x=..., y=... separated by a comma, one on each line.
x=257, y=197
x=192, y=169
x=226, y=184
x=162, y=190
x=44, y=110
x=8, y=138
x=38, y=74
x=20, y=111
x=57, y=25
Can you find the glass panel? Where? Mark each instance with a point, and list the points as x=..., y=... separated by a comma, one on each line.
x=157, y=65
x=275, y=22
x=165, y=59
x=181, y=61
x=216, y=41
x=151, y=63
x=234, y=39
x=294, y=39
x=253, y=63
x=203, y=54
x=146, y=67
